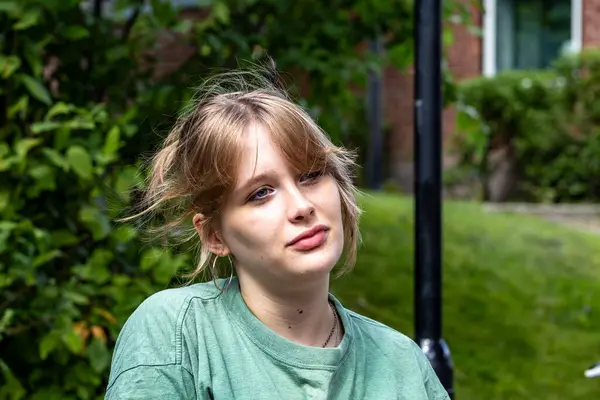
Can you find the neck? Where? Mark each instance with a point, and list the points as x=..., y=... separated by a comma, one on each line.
x=302, y=316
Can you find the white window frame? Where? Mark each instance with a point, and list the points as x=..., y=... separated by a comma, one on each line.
x=489, y=33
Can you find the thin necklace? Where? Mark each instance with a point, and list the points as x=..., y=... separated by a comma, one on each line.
x=335, y=322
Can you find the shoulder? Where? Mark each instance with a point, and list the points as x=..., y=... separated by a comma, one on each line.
x=168, y=304
x=381, y=332
x=393, y=340
x=162, y=313
x=152, y=335
x=402, y=351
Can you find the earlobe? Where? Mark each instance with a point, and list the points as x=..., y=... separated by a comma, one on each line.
x=216, y=245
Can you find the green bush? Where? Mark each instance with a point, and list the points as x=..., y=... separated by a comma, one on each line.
x=69, y=276
x=547, y=120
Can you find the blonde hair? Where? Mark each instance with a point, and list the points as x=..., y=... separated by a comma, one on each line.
x=195, y=169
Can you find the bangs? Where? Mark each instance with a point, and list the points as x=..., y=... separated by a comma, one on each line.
x=299, y=140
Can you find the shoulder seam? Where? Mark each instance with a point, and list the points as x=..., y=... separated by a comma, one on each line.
x=178, y=330
x=179, y=324
x=369, y=321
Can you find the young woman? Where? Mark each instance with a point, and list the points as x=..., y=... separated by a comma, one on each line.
x=267, y=191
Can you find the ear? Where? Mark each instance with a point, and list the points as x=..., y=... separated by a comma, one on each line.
x=209, y=236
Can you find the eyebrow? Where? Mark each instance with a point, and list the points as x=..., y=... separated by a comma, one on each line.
x=255, y=180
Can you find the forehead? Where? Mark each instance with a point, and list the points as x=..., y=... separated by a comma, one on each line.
x=278, y=144
x=259, y=154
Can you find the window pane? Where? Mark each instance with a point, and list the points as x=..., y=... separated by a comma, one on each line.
x=531, y=33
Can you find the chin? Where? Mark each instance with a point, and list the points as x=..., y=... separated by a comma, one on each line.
x=316, y=262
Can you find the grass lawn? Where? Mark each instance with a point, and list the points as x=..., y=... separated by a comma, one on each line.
x=521, y=297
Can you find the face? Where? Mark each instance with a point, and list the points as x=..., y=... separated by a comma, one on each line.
x=279, y=225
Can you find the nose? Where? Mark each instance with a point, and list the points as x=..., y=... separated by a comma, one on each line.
x=301, y=209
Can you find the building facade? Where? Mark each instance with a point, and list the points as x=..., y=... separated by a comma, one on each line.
x=515, y=34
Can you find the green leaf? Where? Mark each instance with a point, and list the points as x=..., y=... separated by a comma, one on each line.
x=163, y=11
x=101, y=257
x=94, y=273
x=11, y=7
x=32, y=50
x=59, y=109
x=44, y=258
x=80, y=124
x=5, y=164
x=62, y=138
x=6, y=319
x=85, y=392
x=45, y=126
x=11, y=388
x=44, y=176
x=401, y=55
x=6, y=280
x=124, y=234
x=24, y=145
x=8, y=65
x=205, y=50
x=76, y=298
x=183, y=27
x=97, y=268
x=6, y=228
x=73, y=341
x=121, y=280
x=48, y=344
x=80, y=161
x=75, y=32
x=56, y=158
x=164, y=271
x=447, y=37
x=112, y=143
x=4, y=199
x=4, y=150
x=28, y=19
x=99, y=355
x=20, y=106
x=221, y=12
x=127, y=179
x=95, y=221
x=49, y=292
x=150, y=258
x=36, y=89
x=62, y=238
x=467, y=122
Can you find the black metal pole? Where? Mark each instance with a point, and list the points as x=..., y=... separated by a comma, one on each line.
x=428, y=189
x=375, y=119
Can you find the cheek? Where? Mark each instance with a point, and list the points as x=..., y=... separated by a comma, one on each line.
x=250, y=229
x=331, y=200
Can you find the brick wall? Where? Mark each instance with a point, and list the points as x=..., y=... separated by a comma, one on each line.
x=465, y=61
x=591, y=23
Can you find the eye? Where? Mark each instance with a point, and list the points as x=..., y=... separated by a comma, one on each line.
x=260, y=194
x=311, y=176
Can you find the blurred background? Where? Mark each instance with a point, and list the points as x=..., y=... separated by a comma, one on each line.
x=89, y=88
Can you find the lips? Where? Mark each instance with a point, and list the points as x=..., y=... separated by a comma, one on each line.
x=310, y=238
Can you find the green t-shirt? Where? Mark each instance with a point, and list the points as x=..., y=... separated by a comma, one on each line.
x=198, y=343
